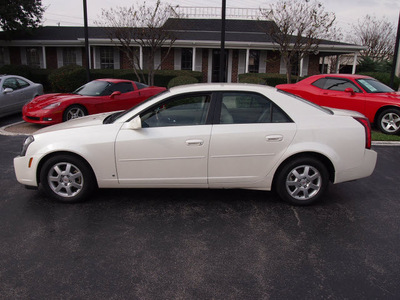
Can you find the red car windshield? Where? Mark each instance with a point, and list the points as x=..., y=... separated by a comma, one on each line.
x=374, y=86
x=93, y=88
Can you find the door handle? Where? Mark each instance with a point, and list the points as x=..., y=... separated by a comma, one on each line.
x=274, y=138
x=194, y=142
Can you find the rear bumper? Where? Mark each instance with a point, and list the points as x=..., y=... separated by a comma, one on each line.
x=364, y=169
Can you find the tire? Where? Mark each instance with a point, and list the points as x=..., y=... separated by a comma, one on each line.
x=74, y=112
x=302, y=181
x=67, y=179
x=389, y=121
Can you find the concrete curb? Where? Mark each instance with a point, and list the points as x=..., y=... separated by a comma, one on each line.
x=23, y=128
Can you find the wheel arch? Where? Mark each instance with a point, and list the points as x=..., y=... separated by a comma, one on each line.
x=381, y=109
x=53, y=154
x=85, y=109
x=322, y=158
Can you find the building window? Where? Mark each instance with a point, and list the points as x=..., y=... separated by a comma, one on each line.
x=33, y=57
x=254, y=61
x=69, y=56
x=2, y=56
x=106, y=58
x=187, y=59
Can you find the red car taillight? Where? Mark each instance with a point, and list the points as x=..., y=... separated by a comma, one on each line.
x=367, y=126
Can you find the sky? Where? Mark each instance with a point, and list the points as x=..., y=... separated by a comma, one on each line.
x=348, y=12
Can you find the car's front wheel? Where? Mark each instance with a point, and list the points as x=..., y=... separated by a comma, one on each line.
x=389, y=121
x=302, y=181
x=67, y=178
x=74, y=112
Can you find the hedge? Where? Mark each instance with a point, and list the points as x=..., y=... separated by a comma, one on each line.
x=265, y=78
x=182, y=80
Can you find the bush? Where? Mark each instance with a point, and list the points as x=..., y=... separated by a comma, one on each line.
x=33, y=74
x=270, y=79
x=182, y=80
x=67, y=79
x=384, y=78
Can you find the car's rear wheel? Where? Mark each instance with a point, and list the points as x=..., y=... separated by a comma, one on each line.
x=67, y=178
x=74, y=112
x=389, y=121
x=302, y=181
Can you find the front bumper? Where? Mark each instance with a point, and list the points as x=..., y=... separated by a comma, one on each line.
x=26, y=174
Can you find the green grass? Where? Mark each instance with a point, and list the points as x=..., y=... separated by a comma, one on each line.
x=379, y=136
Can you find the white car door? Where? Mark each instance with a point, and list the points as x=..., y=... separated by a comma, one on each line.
x=171, y=148
x=252, y=135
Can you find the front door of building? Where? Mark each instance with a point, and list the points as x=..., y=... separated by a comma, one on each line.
x=216, y=58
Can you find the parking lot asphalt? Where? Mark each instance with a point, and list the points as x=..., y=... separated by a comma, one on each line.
x=201, y=244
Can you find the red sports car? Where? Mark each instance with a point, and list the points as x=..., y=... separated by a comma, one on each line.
x=379, y=103
x=95, y=97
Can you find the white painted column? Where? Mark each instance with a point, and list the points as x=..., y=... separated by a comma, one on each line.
x=354, y=63
x=247, y=60
x=44, y=57
x=194, y=59
x=337, y=64
x=301, y=67
x=141, y=57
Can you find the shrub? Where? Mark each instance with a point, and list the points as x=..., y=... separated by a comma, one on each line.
x=67, y=78
x=270, y=79
x=182, y=80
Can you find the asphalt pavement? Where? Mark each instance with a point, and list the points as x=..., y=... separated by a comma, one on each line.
x=201, y=244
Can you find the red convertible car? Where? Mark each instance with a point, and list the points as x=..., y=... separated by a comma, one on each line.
x=97, y=96
x=379, y=103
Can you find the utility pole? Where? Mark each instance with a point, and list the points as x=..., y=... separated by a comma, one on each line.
x=85, y=20
x=222, y=64
x=396, y=54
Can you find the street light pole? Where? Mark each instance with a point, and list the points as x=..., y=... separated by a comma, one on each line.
x=85, y=20
x=222, y=55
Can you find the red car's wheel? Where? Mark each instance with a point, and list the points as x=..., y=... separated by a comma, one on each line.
x=389, y=121
x=74, y=112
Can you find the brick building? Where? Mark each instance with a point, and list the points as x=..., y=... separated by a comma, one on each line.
x=197, y=47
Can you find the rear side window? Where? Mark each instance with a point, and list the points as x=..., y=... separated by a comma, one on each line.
x=320, y=83
x=245, y=108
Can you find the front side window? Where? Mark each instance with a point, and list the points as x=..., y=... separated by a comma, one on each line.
x=69, y=56
x=11, y=83
x=244, y=108
x=185, y=110
x=254, y=61
x=187, y=59
x=106, y=58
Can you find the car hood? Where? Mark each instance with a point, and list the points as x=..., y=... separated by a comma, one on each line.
x=47, y=99
x=91, y=120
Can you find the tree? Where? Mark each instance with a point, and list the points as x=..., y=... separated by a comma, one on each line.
x=300, y=26
x=20, y=14
x=378, y=35
x=141, y=29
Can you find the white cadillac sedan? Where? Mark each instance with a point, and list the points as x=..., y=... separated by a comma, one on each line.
x=203, y=136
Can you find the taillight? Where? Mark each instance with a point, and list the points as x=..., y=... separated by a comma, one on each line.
x=367, y=126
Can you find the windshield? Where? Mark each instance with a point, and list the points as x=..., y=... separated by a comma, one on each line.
x=374, y=86
x=93, y=88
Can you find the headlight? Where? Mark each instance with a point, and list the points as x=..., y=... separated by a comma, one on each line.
x=54, y=105
x=29, y=140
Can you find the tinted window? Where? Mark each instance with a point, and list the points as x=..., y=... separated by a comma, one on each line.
x=339, y=84
x=320, y=83
x=242, y=108
x=22, y=83
x=178, y=111
x=123, y=87
x=11, y=83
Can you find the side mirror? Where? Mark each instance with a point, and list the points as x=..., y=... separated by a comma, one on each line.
x=349, y=90
x=8, y=90
x=116, y=93
x=136, y=123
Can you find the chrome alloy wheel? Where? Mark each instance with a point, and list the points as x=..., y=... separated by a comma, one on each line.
x=65, y=179
x=303, y=182
x=390, y=122
x=74, y=113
